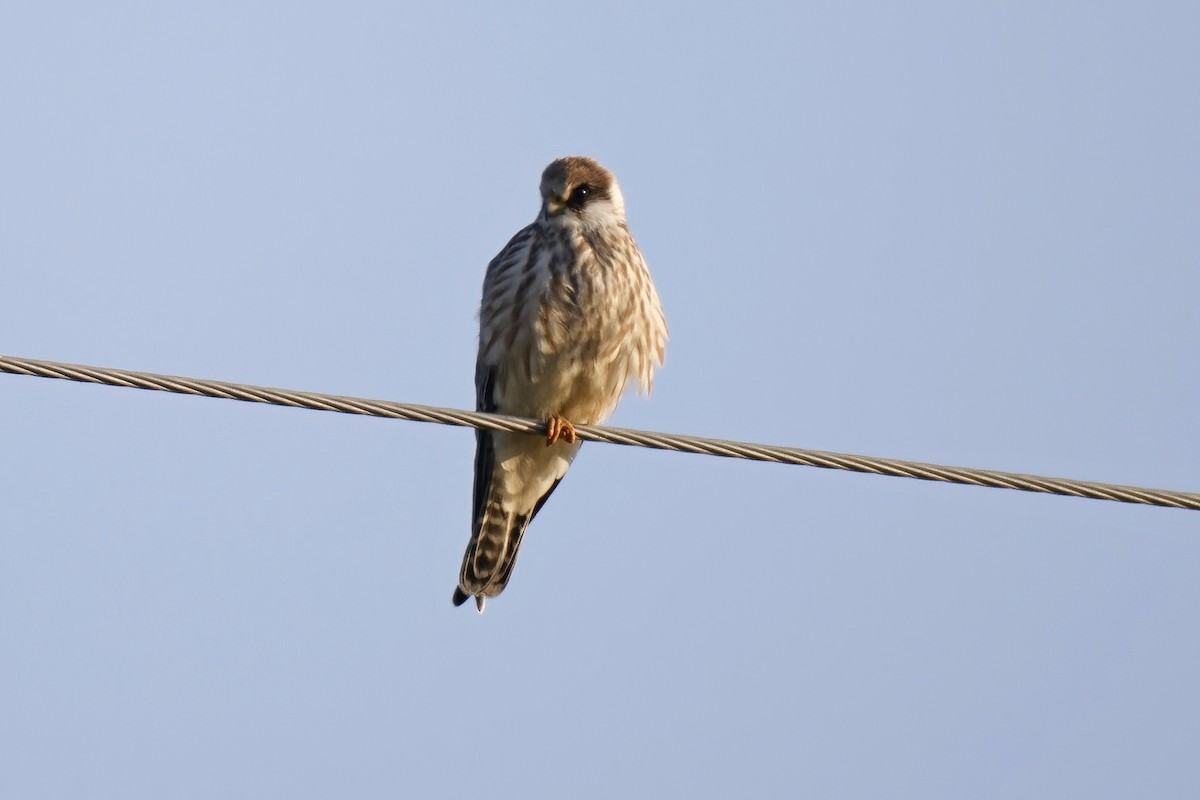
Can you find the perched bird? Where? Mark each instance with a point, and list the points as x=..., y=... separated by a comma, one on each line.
x=568, y=316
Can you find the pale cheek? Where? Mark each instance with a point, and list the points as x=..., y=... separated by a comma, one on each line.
x=602, y=214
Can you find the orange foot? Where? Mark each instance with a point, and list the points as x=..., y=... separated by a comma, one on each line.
x=559, y=428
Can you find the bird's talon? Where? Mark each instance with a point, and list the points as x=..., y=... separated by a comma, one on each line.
x=559, y=428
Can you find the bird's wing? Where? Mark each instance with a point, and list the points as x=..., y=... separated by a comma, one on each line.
x=485, y=447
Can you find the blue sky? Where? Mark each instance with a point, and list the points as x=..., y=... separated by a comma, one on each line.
x=959, y=233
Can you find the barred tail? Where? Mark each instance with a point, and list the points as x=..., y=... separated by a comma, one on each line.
x=491, y=553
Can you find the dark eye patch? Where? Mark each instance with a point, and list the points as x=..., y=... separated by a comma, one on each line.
x=580, y=195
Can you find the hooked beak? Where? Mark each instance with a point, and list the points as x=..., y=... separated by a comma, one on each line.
x=554, y=207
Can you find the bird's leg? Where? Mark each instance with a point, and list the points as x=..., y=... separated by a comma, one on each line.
x=559, y=428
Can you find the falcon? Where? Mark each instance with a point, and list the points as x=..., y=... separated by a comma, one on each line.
x=569, y=315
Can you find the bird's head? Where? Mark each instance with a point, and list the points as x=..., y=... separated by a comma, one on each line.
x=578, y=191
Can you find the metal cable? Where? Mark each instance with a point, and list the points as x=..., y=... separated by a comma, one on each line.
x=595, y=433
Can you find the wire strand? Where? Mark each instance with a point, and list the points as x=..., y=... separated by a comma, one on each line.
x=598, y=433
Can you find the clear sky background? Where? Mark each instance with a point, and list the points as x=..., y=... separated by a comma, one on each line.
x=963, y=233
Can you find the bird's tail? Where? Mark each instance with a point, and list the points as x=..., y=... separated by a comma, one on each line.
x=491, y=553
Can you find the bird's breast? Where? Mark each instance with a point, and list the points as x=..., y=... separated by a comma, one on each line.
x=581, y=327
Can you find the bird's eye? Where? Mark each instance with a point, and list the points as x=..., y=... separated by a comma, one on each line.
x=579, y=196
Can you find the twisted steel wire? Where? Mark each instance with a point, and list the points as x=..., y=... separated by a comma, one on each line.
x=596, y=433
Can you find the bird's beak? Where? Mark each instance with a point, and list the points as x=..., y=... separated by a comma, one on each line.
x=554, y=207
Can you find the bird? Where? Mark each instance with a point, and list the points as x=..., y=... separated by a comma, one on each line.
x=569, y=315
